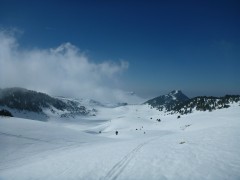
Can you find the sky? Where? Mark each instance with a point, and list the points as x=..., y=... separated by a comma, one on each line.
x=107, y=47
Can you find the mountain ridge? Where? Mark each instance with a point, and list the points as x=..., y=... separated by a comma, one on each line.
x=21, y=99
x=177, y=102
x=167, y=101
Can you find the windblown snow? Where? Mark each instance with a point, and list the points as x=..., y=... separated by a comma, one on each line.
x=200, y=145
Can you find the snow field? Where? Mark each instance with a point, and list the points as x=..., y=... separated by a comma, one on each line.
x=201, y=145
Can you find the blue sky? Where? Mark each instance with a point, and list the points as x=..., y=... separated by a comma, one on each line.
x=189, y=45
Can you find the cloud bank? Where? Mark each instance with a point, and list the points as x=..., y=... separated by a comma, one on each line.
x=58, y=71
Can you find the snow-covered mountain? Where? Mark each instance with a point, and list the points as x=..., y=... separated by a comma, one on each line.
x=119, y=139
x=35, y=105
x=167, y=101
x=40, y=106
x=177, y=102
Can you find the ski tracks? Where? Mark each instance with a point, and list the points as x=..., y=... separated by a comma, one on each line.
x=119, y=167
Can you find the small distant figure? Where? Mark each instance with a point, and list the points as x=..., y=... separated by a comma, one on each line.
x=144, y=132
x=159, y=120
x=100, y=132
x=178, y=117
x=116, y=132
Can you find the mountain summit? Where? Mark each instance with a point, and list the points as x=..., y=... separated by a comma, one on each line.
x=177, y=95
x=168, y=101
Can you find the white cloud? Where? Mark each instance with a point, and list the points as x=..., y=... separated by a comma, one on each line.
x=59, y=71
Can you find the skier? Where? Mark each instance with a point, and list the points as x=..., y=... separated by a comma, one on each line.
x=116, y=132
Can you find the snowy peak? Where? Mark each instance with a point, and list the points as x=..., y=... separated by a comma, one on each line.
x=167, y=101
x=177, y=95
x=175, y=92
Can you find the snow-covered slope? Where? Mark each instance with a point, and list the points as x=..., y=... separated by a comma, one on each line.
x=39, y=106
x=200, y=145
x=30, y=104
x=167, y=101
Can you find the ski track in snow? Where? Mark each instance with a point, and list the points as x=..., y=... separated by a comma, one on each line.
x=119, y=167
